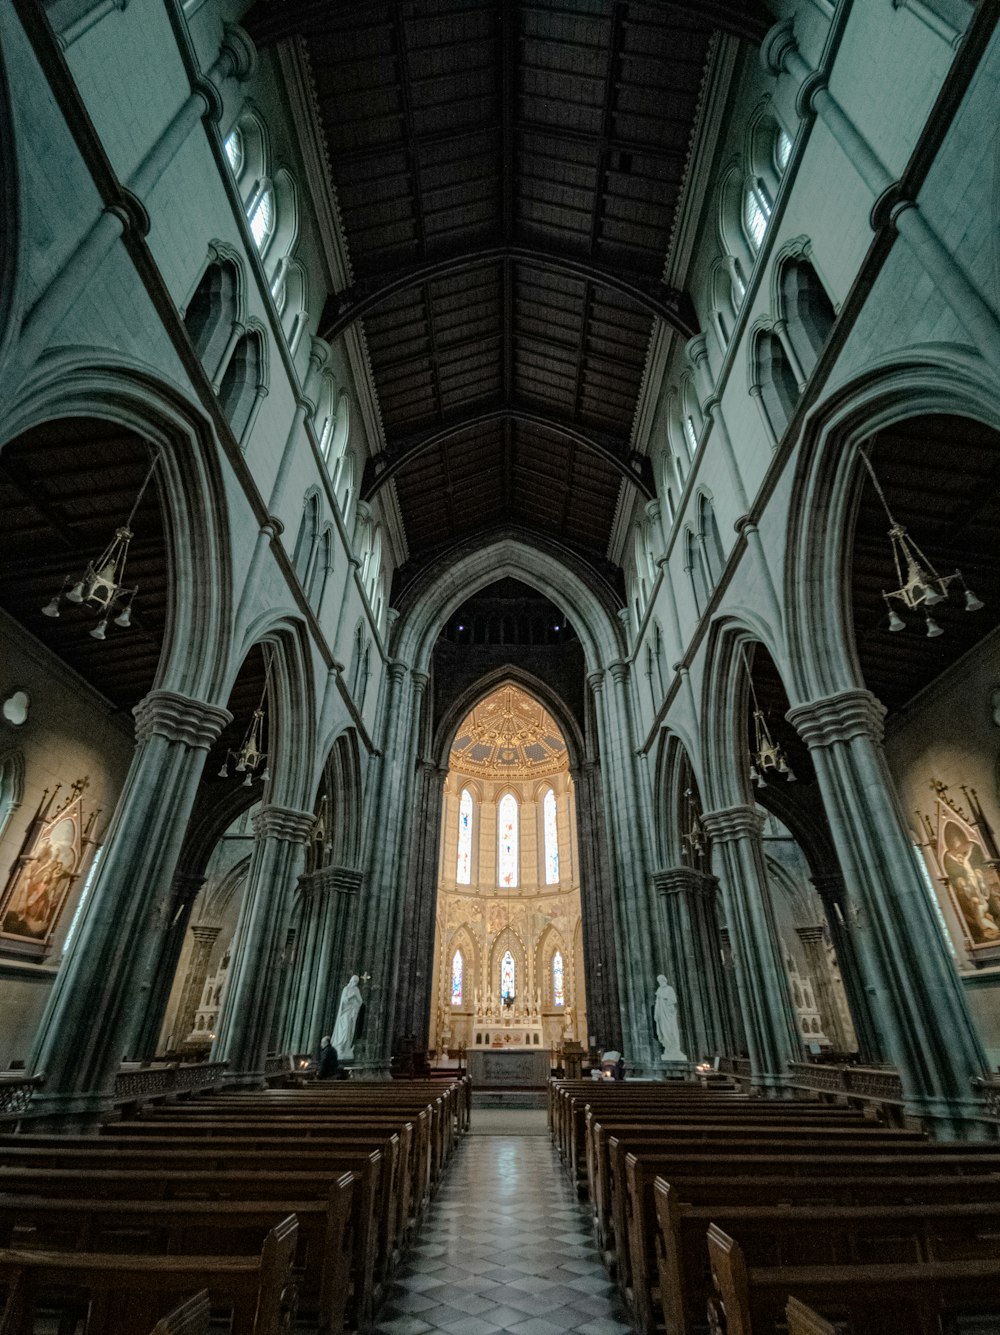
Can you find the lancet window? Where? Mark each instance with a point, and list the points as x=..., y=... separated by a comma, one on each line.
x=507, y=841
x=508, y=977
x=457, y=970
x=551, y=839
x=463, y=870
x=558, y=992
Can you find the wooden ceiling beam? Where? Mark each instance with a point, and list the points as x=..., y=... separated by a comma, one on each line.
x=634, y=467
x=673, y=306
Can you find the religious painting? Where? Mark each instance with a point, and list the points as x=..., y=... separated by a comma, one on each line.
x=54, y=848
x=969, y=872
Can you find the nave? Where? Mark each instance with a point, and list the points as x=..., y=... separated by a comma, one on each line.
x=367, y=1207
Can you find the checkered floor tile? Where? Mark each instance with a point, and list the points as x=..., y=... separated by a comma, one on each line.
x=504, y=1247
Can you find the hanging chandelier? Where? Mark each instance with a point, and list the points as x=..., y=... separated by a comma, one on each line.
x=920, y=587
x=768, y=755
x=251, y=759
x=692, y=835
x=102, y=587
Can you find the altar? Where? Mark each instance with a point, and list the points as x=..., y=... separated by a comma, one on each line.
x=510, y=1067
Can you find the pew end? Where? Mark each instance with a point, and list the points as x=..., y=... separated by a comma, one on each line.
x=191, y=1317
x=802, y=1320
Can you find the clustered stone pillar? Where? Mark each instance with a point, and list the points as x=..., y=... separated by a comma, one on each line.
x=814, y=946
x=633, y=917
x=252, y=985
x=327, y=899
x=101, y=993
x=691, y=930
x=416, y=965
x=185, y=892
x=768, y=1017
x=604, y=1019
x=917, y=1003
x=376, y=941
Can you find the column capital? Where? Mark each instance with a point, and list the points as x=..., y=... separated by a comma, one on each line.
x=777, y=46
x=239, y=52
x=205, y=935
x=421, y=680
x=733, y=823
x=186, y=885
x=595, y=680
x=652, y=509
x=179, y=718
x=682, y=880
x=817, y=933
x=272, y=822
x=839, y=718
x=332, y=880
x=697, y=349
x=618, y=671
x=397, y=670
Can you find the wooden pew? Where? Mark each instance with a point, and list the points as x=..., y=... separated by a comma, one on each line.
x=91, y=1223
x=829, y=1233
x=901, y=1298
x=125, y=1293
x=802, y=1320
x=190, y=1317
x=634, y=1206
x=196, y=1173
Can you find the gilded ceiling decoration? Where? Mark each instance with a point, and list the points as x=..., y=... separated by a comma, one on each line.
x=509, y=734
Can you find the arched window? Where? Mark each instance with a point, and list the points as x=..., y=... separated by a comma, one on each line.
x=507, y=841
x=457, y=969
x=782, y=150
x=711, y=540
x=778, y=387
x=508, y=976
x=808, y=311
x=261, y=218
x=463, y=868
x=696, y=572
x=242, y=380
x=690, y=435
x=551, y=838
x=305, y=541
x=235, y=151
x=320, y=570
x=211, y=311
x=755, y=216
x=558, y=991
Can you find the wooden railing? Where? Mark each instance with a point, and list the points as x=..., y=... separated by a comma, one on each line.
x=150, y=1082
x=879, y=1084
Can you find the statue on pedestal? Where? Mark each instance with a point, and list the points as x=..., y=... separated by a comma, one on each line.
x=665, y=1019
x=348, y=1011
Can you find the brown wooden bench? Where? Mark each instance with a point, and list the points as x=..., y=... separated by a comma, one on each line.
x=92, y=1223
x=783, y=1235
x=896, y=1298
x=123, y=1294
x=190, y=1317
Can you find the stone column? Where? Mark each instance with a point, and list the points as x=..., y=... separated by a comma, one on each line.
x=184, y=892
x=768, y=1017
x=604, y=1017
x=833, y=896
x=416, y=964
x=375, y=944
x=740, y=1044
x=687, y=899
x=328, y=901
x=917, y=1002
x=203, y=939
x=102, y=989
x=251, y=992
x=638, y=962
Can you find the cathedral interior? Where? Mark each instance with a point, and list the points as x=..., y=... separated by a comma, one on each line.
x=499, y=574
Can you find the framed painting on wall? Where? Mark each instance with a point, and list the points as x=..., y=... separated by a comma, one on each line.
x=969, y=873
x=55, y=846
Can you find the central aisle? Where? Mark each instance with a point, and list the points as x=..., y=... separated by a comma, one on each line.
x=504, y=1246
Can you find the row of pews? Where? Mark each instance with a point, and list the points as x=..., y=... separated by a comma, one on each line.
x=736, y=1215
x=253, y=1208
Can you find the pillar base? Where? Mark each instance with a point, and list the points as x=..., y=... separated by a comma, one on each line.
x=68, y=1114
x=952, y=1119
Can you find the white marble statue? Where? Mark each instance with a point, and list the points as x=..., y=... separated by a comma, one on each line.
x=351, y=1002
x=665, y=1018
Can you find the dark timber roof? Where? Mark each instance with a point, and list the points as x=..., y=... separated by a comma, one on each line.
x=508, y=174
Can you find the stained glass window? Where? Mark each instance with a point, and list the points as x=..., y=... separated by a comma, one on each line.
x=507, y=841
x=507, y=976
x=463, y=871
x=783, y=150
x=551, y=839
x=558, y=995
x=262, y=219
x=690, y=435
x=457, y=966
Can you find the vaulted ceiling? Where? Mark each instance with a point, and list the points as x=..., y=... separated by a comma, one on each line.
x=508, y=175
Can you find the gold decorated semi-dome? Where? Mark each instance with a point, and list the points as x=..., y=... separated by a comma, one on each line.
x=509, y=733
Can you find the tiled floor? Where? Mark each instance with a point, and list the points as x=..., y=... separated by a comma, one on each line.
x=503, y=1247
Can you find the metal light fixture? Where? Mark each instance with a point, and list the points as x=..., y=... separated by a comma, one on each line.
x=251, y=759
x=692, y=835
x=920, y=587
x=102, y=586
x=768, y=755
